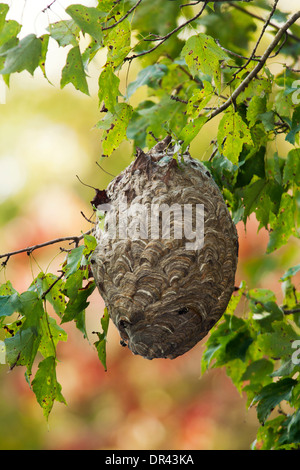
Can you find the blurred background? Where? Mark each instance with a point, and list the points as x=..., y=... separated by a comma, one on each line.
x=48, y=137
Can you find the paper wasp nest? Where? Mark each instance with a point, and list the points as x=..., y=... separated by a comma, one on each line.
x=164, y=291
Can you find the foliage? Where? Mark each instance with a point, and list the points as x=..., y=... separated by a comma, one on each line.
x=188, y=82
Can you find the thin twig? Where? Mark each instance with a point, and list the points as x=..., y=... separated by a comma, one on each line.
x=190, y=4
x=48, y=6
x=123, y=17
x=289, y=312
x=30, y=249
x=267, y=22
x=257, y=17
x=257, y=68
x=110, y=174
x=87, y=219
x=85, y=184
x=167, y=36
x=52, y=285
x=252, y=56
x=235, y=54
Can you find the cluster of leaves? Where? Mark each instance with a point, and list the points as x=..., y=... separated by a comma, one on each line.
x=34, y=333
x=185, y=84
x=261, y=354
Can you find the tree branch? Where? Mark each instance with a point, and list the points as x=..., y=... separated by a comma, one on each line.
x=262, y=32
x=258, y=67
x=30, y=249
x=52, y=285
x=167, y=36
x=289, y=312
x=257, y=17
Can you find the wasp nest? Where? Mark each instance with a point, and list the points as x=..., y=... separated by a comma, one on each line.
x=165, y=291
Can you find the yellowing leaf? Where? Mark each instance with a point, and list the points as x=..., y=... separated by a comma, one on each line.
x=202, y=54
x=233, y=133
x=108, y=88
x=199, y=100
x=89, y=19
x=118, y=43
x=115, y=126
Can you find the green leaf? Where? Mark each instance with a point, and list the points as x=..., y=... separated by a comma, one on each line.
x=79, y=303
x=238, y=346
x=257, y=106
x=74, y=260
x=55, y=296
x=292, y=435
x=25, y=56
x=191, y=130
x=268, y=434
x=64, y=32
x=90, y=52
x=73, y=284
x=73, y=72
x=233, y=133
x=9, y=304
x=164, y=117
x=90, y=243
x=149, y=76
x=282, y=226
x=45, y=385
x=251, y=165
x=138, y=124
x=272, y=395
x=45, y=41
x=291, y=172
x=278, y=343
x=51, y=333
x=263, y=197
x=201, y=53
x=31, y=306
x=109, y=89
x=220, y=336
x=293, y=136
x=88, y=19
x=3, y=12
x=21, y=349
x=258, y=371
x=115, y=126
x=290, y=272
x=101, y=343
x=287, y=368
x=274, y=167
x=9, y=31
x=268, y=120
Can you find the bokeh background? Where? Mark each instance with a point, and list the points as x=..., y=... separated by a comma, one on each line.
x=47, y=137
